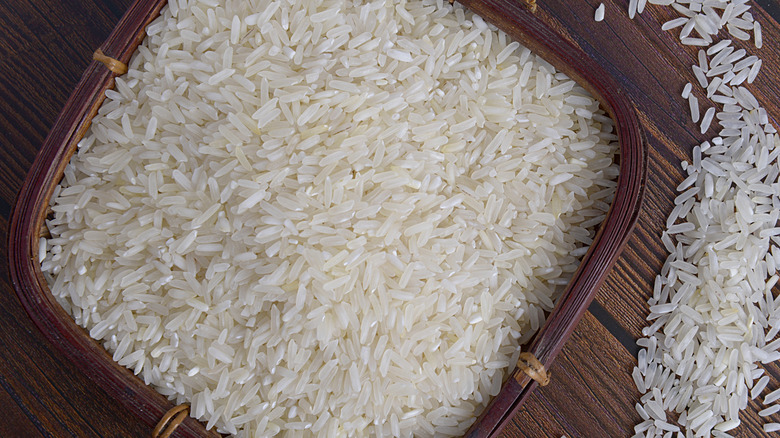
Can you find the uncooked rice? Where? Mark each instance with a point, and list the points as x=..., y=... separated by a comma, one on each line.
x=330, y=217
x=714, y=317
x=599, y=14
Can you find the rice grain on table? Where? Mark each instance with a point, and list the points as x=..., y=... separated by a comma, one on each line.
x=693, y=104
x=599, y=15
x=707, y=119
x=714, y=318
x=328, y=217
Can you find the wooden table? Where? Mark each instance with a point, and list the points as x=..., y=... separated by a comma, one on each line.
x=46, y=44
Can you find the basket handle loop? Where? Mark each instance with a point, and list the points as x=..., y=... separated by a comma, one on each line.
x=530, y=365
x=170, y=421
x=115, y=65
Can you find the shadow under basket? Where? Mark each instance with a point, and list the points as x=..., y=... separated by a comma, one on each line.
x=521, y=20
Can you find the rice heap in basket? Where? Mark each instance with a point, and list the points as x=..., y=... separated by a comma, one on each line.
x=328, y=218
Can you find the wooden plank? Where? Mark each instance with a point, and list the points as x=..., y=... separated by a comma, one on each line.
x=19, y=421
x=44, y=49
x=591, y=393
x=61, y=399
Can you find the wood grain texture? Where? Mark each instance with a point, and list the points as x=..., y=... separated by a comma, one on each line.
x=47, y=44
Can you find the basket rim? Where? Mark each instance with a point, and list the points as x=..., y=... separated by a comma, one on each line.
x=527, y=26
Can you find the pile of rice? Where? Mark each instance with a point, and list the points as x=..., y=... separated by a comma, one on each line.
x=714, y=315
x=328, y=218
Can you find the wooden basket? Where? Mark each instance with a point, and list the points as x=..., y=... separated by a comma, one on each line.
x=517, y=19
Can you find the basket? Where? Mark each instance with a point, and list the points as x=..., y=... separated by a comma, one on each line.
x=518, y=19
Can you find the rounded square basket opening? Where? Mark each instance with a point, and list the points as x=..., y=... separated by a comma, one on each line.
x=514, y=18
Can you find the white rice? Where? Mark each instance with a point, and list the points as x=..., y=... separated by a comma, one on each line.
x=687, y=91
x=599, y=15
x=713, y=315
x=705, y=122
x=693, y=104
x=771, y=427
x=322, y=218
x=758, y=387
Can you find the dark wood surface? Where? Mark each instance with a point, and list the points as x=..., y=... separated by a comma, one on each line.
x=45, y=45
